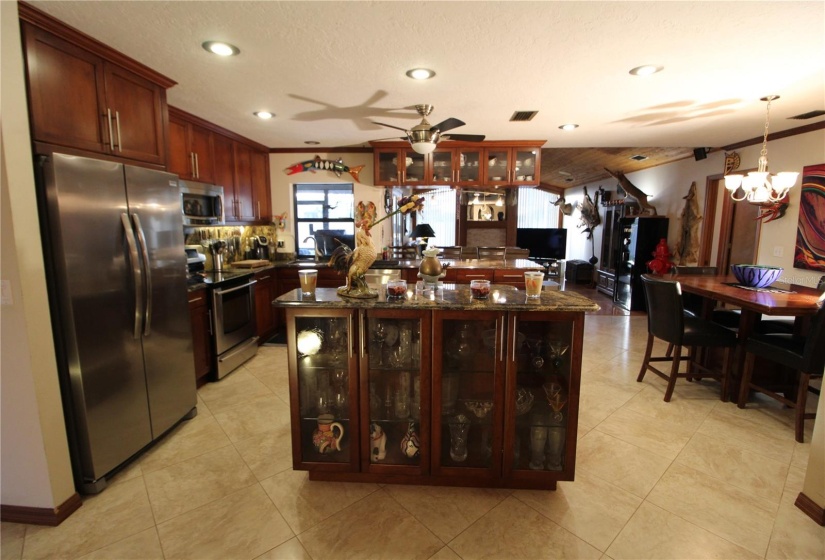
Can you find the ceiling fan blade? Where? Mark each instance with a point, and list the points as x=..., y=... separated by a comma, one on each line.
x=389, y=126
x=449, y=124
x=465, y=137
x=390, y=138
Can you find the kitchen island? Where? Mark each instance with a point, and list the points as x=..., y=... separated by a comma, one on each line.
x=437, y=387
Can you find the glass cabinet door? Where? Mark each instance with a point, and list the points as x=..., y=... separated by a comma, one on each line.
x=387, y=168
x=415, y=168
x=525, y=167
x=442, y=172
x=498, y=170
x=325, y=389
x=469, y=166
x=395, y=390
x=542, y=391
x=467, y=411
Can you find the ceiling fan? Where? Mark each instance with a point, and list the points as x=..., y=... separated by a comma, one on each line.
x=423, y=137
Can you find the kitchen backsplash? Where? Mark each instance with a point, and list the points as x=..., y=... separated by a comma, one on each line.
x=238, y=239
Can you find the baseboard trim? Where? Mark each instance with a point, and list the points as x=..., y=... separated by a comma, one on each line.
x=810, y=508
x=41, y=516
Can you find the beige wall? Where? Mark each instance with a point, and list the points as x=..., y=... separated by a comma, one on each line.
x=35, y=458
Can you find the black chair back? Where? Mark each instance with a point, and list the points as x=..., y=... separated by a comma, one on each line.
x=813, y=355
x=665, y=312
x=694, y=270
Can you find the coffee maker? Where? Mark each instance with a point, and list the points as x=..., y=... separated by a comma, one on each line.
x=259, y=248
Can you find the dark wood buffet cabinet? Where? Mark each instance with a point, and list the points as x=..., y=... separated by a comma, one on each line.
x=446, y=392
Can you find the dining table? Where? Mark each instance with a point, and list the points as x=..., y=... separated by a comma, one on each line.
x=778, y=299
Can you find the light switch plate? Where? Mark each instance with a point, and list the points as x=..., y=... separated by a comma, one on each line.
x=777, y=251
x=5, y=293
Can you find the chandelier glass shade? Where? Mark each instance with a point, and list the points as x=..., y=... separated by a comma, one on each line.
x=760, y=186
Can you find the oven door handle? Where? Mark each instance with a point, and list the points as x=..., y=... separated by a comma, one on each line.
x=236, y=288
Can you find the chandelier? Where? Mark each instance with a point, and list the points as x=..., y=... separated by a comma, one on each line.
x=760, y=186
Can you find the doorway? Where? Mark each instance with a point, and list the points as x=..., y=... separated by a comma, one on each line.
x=739, y=231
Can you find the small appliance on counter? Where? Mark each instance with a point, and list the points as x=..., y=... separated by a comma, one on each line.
x=259, y=248
x=285, y=246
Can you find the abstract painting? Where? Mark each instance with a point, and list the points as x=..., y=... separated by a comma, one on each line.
x=810, y=232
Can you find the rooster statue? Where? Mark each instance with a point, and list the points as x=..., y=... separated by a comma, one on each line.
x=355, y=263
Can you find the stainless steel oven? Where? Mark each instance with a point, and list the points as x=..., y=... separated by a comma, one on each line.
x=201, y=204
x=234, y=327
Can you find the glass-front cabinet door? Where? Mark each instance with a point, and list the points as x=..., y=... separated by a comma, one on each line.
x=468, y=170
x=526, y=166
x=323, y=389
x=442, y=167
x=498, y=169
x=468, y=379
x=543, y=369
x=395, y=392
x=387, y=168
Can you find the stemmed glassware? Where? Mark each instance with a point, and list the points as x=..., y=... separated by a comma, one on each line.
x=556, y=398
x=380, y=335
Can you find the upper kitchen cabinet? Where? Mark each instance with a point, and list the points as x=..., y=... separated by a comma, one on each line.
x=261, y=198
x=85, y=95
x=517, y=164
x=191, y=151
x=243, y=205
x=399, y=165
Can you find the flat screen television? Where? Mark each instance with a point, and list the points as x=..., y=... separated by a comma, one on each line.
x=544, y=243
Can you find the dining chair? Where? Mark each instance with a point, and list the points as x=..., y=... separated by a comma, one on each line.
x=403, y=252
x=805, y=355
x=516, y=253
x=783, y=324
x=451, y=252
x=491, y=252
x=666, y=320
x=469, y=252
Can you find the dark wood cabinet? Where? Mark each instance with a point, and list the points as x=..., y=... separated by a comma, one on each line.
x=261, y=196
x=191, y=151
x=242, y=205
x=201, y=321
x=265, y=315
x=639, y=237
x=80, y=97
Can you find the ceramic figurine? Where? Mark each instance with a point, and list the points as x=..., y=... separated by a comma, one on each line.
x=410, y=444
x=324, y=436
x=378, y=443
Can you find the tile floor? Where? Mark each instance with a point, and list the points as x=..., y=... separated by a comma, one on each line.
x=693, y=478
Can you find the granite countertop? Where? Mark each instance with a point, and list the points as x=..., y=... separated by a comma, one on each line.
x=524, y=264
x=451, y=296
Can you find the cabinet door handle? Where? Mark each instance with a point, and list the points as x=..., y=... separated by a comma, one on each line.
x=258, y=203
x=192, y=163
x=515, y=337
x=111, y=132
x=362, y=335
x=501, y=335
x=262, y=278
x=512, y=276
x=473, y=276
x=197, y=166
x=196, y=299
x=119, y=135
x=349, y=336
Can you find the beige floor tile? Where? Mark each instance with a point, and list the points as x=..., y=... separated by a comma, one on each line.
x=752, y=472
x=304, y=504
x=185, y=486
x=120, y=511
x=680, y=411
x=629, y=467
x=244, y=524
x=723, y=509
x=237, y=388
x=129, y=472
x=203, y=409
x=446, y=511
x=375, y=527
x=290, y=550
x=514, y=530
x=590, y=508
x=660, y=436
x=655, y=534
x=256, y=416
x=795, y=536
x=772, y=441
x=445, y=553
x=11, y=540
x=795, y=481
x=801, y=452
x=598, y=400
x=200, y=435
x=143, y=546
x=268, y=453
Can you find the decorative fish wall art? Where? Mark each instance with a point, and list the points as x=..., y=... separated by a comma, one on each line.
x=338, y=167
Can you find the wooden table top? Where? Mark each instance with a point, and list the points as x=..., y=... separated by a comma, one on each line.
x=802, y=301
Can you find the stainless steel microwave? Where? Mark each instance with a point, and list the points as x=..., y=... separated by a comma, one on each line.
x=201, y=204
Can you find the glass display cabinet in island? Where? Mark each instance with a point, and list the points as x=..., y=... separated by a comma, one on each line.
x=324, y=389
x=542, y=397
x=395, y=390
x=468, y=380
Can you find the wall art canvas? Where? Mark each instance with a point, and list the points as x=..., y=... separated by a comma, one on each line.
x=810, y=232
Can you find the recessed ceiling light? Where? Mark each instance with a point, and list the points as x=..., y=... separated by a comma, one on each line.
x=646, y=70
x=420, y=73
x=263, y=114
x=570, y=126
x=221, y=49
x=638, y=157
x=311, y=142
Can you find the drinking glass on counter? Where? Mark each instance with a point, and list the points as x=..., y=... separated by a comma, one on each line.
x=480, y=289
x=396, y=289
x=309, y=279
x=532, y=283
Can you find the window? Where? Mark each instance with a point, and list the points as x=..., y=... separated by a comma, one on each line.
x=439, y=212
x=324, y=208
x=537, y=209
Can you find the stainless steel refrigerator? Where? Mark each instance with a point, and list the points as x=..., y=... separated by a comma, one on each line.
x=116, y=269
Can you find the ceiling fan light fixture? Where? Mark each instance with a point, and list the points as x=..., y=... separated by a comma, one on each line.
x=220, y=48
x=420, y=73
x=646, y=70
x=423, y=147
x=265, y=115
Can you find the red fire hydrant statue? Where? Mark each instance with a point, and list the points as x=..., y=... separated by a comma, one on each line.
x=660, y=263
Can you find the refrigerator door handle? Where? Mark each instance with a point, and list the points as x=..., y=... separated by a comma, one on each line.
x=136, y=271
x=147, y=323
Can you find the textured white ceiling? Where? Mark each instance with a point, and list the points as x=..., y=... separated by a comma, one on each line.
x=327, y=68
